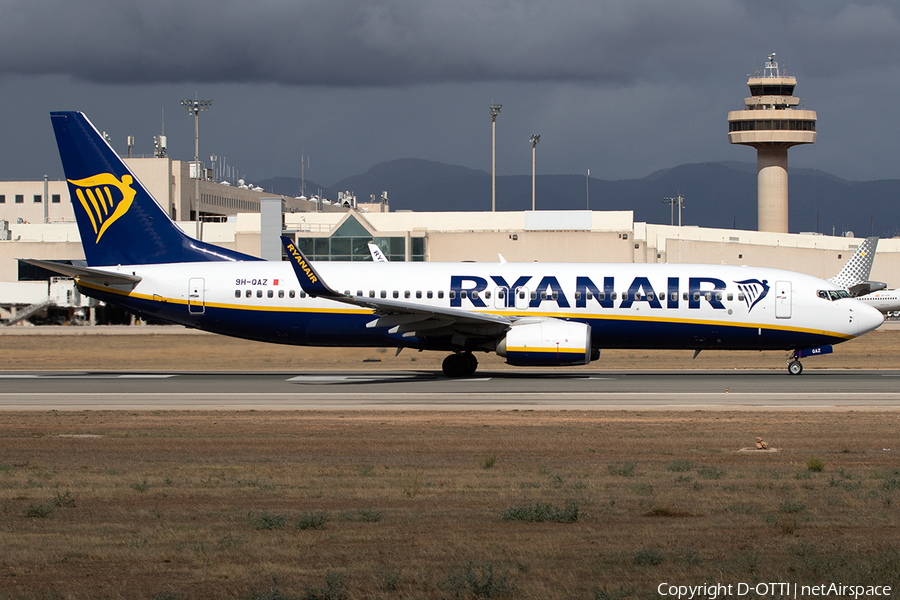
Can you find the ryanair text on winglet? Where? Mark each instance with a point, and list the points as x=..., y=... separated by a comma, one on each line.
x=302, y=263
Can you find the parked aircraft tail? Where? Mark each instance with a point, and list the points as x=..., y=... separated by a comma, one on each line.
x=854, y=277
x=119, y=221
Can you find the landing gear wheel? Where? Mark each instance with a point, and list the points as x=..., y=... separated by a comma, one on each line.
x=456, y=365
x=794, y=367
x=471, y=363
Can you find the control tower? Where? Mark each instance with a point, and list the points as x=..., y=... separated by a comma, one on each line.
x=771, y=123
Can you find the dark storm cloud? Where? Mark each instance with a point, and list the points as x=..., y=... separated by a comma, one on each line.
x=335, y=43
x=407, y=42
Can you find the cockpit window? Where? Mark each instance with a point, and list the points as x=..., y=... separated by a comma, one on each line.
x=832, y=295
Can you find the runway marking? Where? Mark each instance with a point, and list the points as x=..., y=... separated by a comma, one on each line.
x=94, y=376
x=369, y=378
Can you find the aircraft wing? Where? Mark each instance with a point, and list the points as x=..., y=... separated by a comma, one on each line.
x=402, y=317
x=85, y=273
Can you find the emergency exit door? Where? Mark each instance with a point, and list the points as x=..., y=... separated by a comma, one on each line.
x=196, y=304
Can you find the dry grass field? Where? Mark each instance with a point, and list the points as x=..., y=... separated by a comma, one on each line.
x=436, y=505
x=410, y=505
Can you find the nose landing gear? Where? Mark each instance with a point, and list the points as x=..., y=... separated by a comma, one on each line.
x=793, y=361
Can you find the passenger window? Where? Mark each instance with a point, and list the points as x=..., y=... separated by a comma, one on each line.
x=291, y=293
x=501, y=294
x=396, y=294
x=440, y=294
x=418, y=293
x=708, y=296
x=487, y=295
x=383, y=294
x=719, y=296
x=359, y=292
x=624, y=295
x=270, y=293
x=237, y=293
x=578, y=295
x=462, y=294
x=555, y=295
x=674, y=296
x=696, y=296
x=429, y=295
x=475, y=294
x=730, y=296
x=302, y=294
x=543, y=295
x=452, y=294
x=650, y=297
x=521, y=295
x=371, y=293
x=684, y=296
x=740, y=296
x=281, y=293
x=248, y=293
x=534, y=295
x=612, y=295
x=259, y=293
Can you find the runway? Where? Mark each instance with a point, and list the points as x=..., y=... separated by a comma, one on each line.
x=429, y=390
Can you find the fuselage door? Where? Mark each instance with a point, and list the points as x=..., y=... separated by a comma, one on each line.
x=782, y=299
x=196, y=304
x=501, y=297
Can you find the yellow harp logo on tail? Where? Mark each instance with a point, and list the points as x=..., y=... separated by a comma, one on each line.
x=102, y=205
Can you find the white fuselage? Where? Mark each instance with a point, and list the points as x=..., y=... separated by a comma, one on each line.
x=626, y=305
x=887, y=301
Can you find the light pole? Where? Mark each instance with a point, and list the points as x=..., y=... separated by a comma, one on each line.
x=495, y=110
x=679, y=200
x=194, y=107
x=534, y=142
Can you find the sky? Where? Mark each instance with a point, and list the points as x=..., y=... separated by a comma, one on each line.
x=620, y=88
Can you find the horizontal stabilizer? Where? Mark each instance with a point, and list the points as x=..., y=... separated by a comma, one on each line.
x=85, y=273
x=866, y=287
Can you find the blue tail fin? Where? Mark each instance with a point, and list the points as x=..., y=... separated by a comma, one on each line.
x=119, y=221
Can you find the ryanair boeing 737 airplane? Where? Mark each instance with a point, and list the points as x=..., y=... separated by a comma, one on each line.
x=533, y=314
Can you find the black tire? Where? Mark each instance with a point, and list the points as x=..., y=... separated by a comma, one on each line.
x=795, y=367
x=455, y=365
x=471, y=363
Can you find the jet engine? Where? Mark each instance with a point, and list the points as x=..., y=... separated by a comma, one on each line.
x=546, y=343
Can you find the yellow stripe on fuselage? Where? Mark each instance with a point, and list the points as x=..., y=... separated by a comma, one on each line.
x=527, y=313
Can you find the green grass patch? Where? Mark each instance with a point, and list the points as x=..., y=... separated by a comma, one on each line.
x=541, y=513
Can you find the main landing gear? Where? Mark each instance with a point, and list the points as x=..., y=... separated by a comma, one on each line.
x=795, y=367
x=459, y=364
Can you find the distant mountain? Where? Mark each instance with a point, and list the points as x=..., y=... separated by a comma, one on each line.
x=720, y=194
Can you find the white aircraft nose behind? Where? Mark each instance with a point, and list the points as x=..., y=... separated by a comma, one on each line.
x=866, y=318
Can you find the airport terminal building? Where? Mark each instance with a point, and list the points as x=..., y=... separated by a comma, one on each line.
x=343, y=234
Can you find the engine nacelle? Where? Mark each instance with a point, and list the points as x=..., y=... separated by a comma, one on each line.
x=547, y=343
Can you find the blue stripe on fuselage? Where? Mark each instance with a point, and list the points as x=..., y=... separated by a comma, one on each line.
x=348, y=328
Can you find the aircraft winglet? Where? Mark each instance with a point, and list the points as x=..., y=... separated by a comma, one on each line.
x=309, y=279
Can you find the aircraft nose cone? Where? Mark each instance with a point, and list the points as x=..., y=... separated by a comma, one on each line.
x=866, y=317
